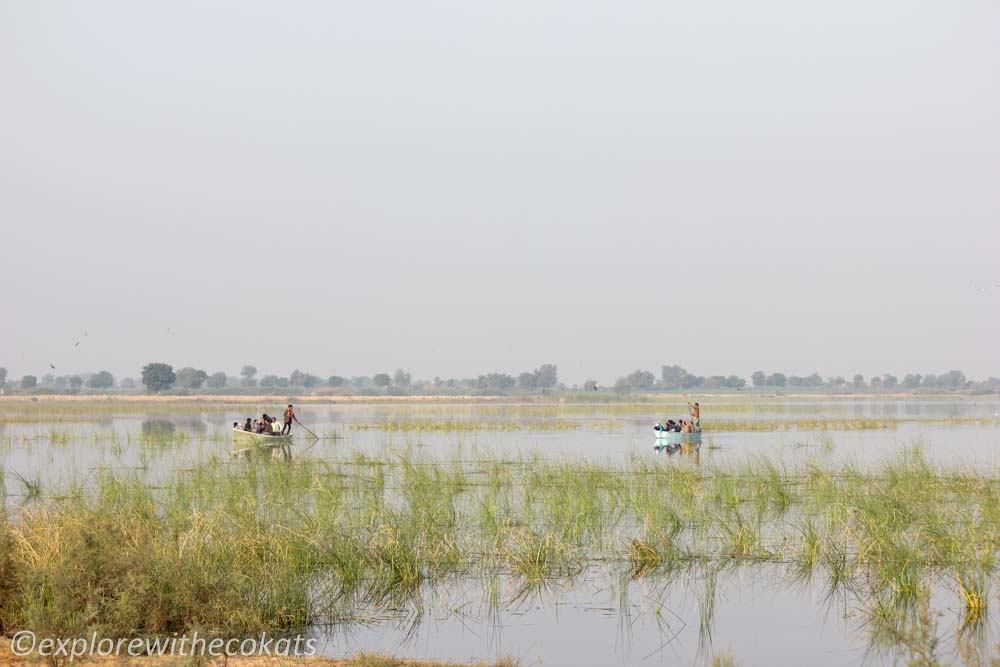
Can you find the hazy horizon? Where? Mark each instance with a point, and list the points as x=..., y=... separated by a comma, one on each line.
x=456, y=189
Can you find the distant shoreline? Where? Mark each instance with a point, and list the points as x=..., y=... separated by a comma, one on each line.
x=552, y=399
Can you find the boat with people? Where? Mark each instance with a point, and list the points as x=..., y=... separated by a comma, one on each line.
x=673, y=435
x=672, y=439
x=266, y=435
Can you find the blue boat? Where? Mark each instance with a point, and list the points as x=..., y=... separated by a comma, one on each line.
x=670, y=439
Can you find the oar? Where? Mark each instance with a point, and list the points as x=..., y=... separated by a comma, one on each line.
x=304, y=426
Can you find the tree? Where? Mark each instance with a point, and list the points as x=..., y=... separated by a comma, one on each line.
x=128, y=383
x=758, y=378
x=734, y=382
x=248, y=374
x=547, y=376
x=859, y=381
x=876, y=383
x=673, y=377
x=691, y=381
x=335, y=381
x=911, y=381
x=310, y=381
x=3, y=376
x=75, y=382
x=813, y=380
x=269, y=381
x=382, y=380
x=889, y=381
x=217, y=380
x=776, y=380
x=953, y=380
x=191, y=378
x=499, y=381
x=297, y=378
x=527, y=380
x=590, y=385
x=401, y=378
x=29, y=382
x=714, y=381
x=636, y=380
x=102, y=380
x=158, y=376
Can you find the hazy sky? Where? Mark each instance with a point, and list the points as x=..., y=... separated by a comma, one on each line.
x=464, y=187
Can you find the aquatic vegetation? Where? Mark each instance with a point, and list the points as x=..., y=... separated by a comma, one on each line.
x=289, y=544
x=453, y=425
x=31, y=487
x=388, y=661
x=724, y=659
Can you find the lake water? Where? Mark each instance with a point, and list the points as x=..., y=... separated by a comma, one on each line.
x=763, y=614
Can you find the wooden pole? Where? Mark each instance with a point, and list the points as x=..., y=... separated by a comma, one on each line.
x=306, y=429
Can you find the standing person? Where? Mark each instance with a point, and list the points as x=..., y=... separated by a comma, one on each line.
x=695, y=415
x=289, y=416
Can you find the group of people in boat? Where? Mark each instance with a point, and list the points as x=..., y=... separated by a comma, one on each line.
x=682, y=426
x=268, y=425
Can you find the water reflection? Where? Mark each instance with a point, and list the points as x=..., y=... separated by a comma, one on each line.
x=158, y=429
x=763, y=614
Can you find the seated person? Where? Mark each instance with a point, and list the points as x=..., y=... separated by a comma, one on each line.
x=248, y=426
x=236, y=426
x=275, y=427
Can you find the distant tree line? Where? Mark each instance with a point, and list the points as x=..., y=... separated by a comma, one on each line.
x=60, y=383
x=161, y=377
x=678, y=378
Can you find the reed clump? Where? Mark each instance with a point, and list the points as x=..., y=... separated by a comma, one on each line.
x=78, y=566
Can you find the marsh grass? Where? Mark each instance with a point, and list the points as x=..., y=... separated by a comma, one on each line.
x=373, y=660
x=31, y=487
x=241, y=547
x=467, y=425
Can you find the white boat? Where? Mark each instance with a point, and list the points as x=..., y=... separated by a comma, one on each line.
x=672, y=438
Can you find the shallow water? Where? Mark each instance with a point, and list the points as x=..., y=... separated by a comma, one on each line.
x=761, y=615
x=600, y=433
x=759, y=612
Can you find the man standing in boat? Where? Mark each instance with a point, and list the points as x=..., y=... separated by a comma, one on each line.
x=695, y=416
x=289, y=416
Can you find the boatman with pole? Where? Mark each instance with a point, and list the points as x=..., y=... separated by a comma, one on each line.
x=289, y=416
x=695, y=410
